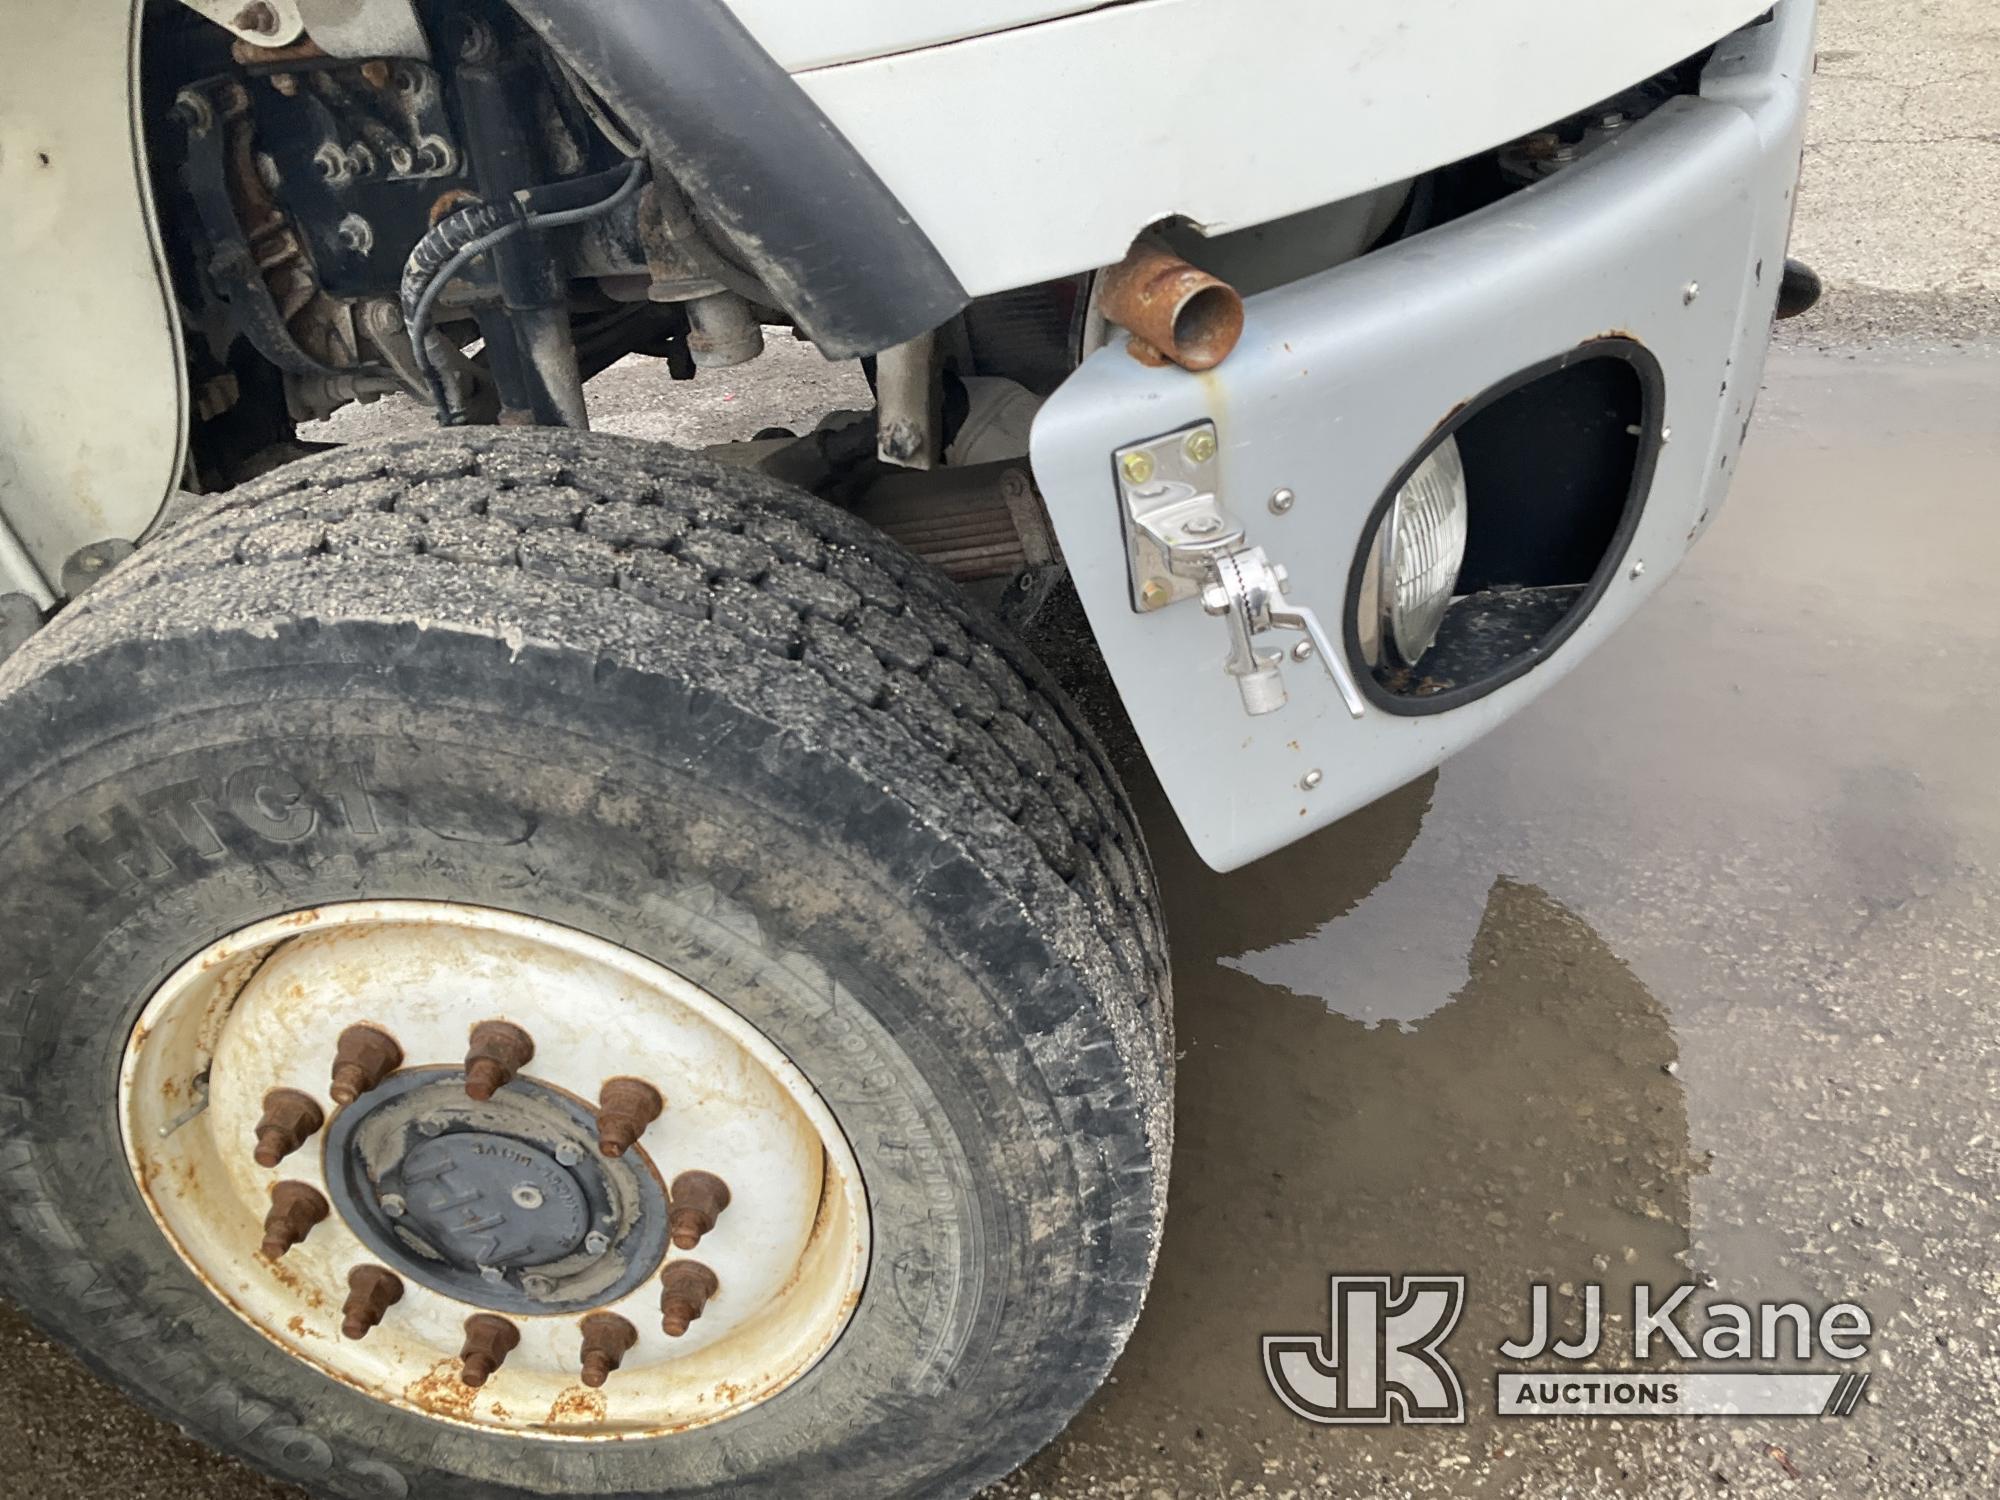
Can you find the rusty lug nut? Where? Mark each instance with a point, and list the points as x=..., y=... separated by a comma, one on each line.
x=625, y=1107
x=488, y=1342
x=371, y=1292
x=290, y=1118
x=685, y=1287
x=364, y=1057
x=698, y=1199
x=295, y=1208
x=259, y=16
x=607, y=1338
x=499, y=1050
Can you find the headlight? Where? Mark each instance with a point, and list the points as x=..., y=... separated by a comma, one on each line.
x=1407, y=584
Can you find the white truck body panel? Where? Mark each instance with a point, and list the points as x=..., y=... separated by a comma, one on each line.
x=804, y=36
x=1043, y=150
x=92, y=410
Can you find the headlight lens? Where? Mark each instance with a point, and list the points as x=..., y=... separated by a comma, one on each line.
x=1413, y=568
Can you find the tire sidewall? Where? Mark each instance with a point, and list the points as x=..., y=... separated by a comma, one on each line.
x=354, y=761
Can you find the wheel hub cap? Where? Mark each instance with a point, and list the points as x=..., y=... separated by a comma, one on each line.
x=571, y=1194
x=475, y=1200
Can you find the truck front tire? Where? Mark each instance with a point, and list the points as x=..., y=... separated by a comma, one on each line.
x=689, y=716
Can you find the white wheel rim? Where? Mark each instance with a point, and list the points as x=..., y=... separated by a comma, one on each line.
x=263, y=1009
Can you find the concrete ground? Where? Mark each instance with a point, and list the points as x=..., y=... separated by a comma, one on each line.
x=1679, y=976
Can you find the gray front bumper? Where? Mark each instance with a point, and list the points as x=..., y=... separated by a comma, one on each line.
x=1340, y=378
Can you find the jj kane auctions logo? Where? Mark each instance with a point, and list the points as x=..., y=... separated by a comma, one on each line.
x=1383, y=1358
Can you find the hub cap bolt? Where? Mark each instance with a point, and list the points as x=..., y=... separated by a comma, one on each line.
x=492, y=1274
x=290, y=1118
x=537, y=1286
x=499, y=1050
x=364, y=1057
x=606, y=1340
x=568, y=1155
x=295, y=1208
x=393, y=1205
x=625, y=1107
x=596, y=1243
x=488, y=1342
x=685, y=1287
x=698, y=1199
x=371, y=1292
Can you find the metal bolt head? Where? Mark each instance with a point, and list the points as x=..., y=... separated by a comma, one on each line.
x=363, y=1057
x=1203, y=525
x=685, y=1287
x=526, y=1195
x=568, y=1155
x=1155, y=593
x=537, y=1286
x=430, y=1127
x=488, y=1342
x=290, y=1117
x=1303, y=651
x=625, y=1107
x=596, y=1242
x=698, y=1199
x=607, y=1338
x=1311, y=779
x=259, y=17
x=356, y=234
x=1199, y=446
x=295, y=1208
x=492, y=1275
x=371, y=1292
x=496, y=1052
x=1137, y=468
x=1282, y=501
x=393, y=1205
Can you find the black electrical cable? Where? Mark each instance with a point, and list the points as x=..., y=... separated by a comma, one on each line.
x=462, y=237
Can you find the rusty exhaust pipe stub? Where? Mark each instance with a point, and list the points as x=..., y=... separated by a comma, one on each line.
x=625, y=1107
x=1175, y=312
x=607, y=1338
x=489, y=1339
x=295, y=1208
x=371, y=1292
x=698, y=1199
x=685, y=1287
x=498, y=1050
x=364, y=1057
x=290, y=1119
